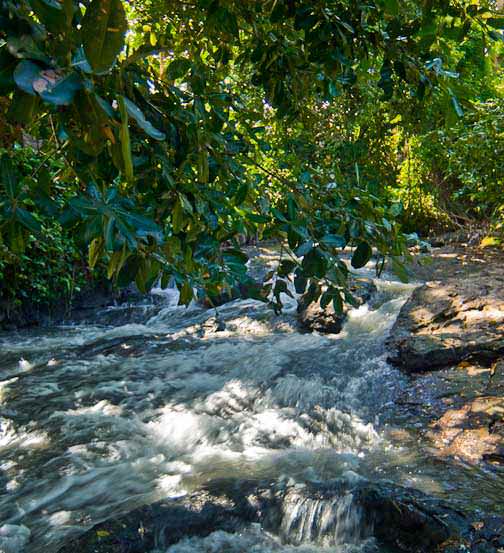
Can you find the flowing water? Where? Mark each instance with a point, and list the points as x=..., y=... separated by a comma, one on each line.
x=97, y=419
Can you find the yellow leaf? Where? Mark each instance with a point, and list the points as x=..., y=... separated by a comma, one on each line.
x=102, y=533
x=107, y=131
x=490, y=241
x=95, y=251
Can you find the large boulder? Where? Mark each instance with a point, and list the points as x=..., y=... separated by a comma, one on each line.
x=325, y=320
x=444, y=323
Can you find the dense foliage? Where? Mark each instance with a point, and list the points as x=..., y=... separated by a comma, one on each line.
x=166, y=132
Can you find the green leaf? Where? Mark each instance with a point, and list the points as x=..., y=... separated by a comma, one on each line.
x=177, y=217
x=109, y=234
x=186, y=294
x=27, y=220
x=51, y=87
x=129, y=270
x=8, y=177
x=80, y=61
x=103, y=28
x=326, y=299
x=496, y=22
x=291, y=208
x=300, y=282
x=7, y=65
x=312, y=295
x=304, y=248
x=62, y=93
x=241, y=194
x=333, y=241
x=178, y=69
x=286, y=267
x=24, y=75
x=136, y=113
x=361, y=255
x=338, y=303
x=314, y=264
x=139, y=222
x=53, y=14
x=125, y=141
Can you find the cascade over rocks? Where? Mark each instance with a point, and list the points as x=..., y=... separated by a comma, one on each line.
x=326, y=320
x=343, y=511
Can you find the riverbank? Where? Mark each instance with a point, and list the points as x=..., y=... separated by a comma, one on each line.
x=450, y=337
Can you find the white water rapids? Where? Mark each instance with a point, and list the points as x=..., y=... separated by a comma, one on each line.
x=97, y=419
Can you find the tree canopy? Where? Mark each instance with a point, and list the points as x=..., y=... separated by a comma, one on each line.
x=163, y=132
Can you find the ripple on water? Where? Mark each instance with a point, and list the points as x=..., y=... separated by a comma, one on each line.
x=101, y=419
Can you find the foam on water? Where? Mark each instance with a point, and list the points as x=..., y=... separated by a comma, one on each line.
x=97, y=420
x=255, y=541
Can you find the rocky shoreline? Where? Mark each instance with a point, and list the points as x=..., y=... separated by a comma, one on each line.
x=450, y=337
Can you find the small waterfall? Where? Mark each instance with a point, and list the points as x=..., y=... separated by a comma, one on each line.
x=323, y=521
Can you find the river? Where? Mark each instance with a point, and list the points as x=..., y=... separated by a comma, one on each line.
x=154, y=401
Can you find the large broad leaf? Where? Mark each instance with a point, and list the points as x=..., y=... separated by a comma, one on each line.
x=136, y=113
x=103, y=29
x=23, y=108
x=80, y=61
x=334, y=241
x=186, y=294
x=361, y=255
x=27, y=219
x=62, y=92
x=139, y=222
x=125, y=141
x=314, y=264
x=56, y=16
x=50, y=85
x=25, y=74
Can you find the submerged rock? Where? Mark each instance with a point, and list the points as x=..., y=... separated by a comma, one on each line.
x=326, y=320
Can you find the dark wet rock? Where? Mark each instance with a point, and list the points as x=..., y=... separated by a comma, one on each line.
x=410, y=520
x=118, y=315
x=94, y=304
x=327, y=321
x=212, y=325
x=403, y=519
x=444, y=323
x=160, y=525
